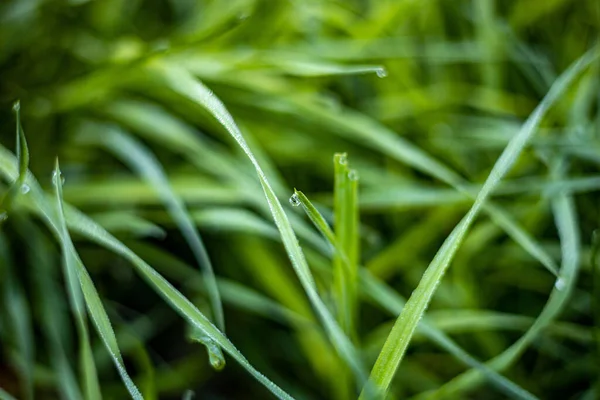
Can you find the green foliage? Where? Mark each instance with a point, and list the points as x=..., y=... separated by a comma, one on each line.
x=462, y=263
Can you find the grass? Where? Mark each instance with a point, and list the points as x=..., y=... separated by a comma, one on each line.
x=448, y=251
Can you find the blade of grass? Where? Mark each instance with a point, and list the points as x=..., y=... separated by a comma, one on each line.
x=341, y=275
x=80, y=284
x=183, y=83
x=140, y=159
x=566, y=223
x=393, y=350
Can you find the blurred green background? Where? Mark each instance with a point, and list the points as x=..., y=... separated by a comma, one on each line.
x=423, y=96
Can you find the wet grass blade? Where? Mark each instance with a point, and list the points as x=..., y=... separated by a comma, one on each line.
x=80, y=283
x=395, y=346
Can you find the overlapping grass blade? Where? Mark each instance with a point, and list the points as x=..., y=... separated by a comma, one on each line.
x=391, y=301
x=398, y=340
x=80, y=283
x=39, y=204
x=143, y=161
x=566, y=223
x=181, y=82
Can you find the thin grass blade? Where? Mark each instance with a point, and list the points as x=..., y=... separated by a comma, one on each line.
x=77, y=274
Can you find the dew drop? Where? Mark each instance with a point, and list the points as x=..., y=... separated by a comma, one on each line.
x=381, y=72
x=17, y=106
x=294, y=200
x=560, y=284
x=55, y=178
x=342, y=159
x=3, y=216
x=353, y=175
x=25, y=189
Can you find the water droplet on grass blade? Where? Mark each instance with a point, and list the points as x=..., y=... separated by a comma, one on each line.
x=353, y=175
x=560, y=284
x=25, y=189
x=294, y=200
x=342, y=158
x=56, y=175
x=3, y=216
x=381, y=72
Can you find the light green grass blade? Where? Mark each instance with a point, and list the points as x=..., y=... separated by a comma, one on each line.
x=387, y=363
x=78, y=275
x=568, y=230
x=143, y=162
x=343, y=280
x=181, y=82
x=389, y=300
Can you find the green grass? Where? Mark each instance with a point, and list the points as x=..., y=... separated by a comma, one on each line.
x=440, y=242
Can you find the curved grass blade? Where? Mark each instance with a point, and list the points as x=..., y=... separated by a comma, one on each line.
x=566, y=222
x=183, y=83
x=143, y=161
x=79, y=283
x=391, y=301
x=395, y=346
